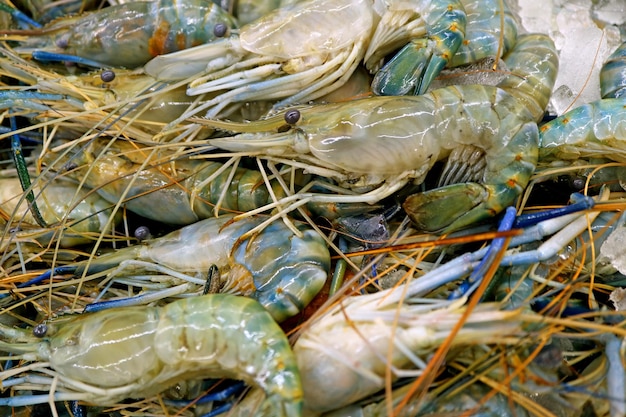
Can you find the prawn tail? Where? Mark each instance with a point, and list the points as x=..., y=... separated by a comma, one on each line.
x=418, y=63
x=613, y=74
x=534, y=65
x=456, y=206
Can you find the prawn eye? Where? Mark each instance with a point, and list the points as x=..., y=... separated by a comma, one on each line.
x=63, y=42
x=142, y=233
x=107, y=76
x=219, y=30
x=70, y=166
x=577, y=183
x=40, y=330
x=292, y=116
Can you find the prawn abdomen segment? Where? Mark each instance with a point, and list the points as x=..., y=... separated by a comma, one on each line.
x=509, y=137
x=227, y=336
x=586, y=131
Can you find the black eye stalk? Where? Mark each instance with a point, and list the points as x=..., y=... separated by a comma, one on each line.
x=40, y=330
x=142, y=233
x=220, y=30
x=292, y=116
x=107, y=76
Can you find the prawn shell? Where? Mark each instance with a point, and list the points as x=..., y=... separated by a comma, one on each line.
x=96, y=347
x=593, y=129
x=287, y=32
x=136, y=32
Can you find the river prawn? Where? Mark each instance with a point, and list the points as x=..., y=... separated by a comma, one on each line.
x=342, y=357
x=281, y=270
x=159, y=184
x=133, y=33
x=124, y=100
x=353, y=346
x=303, y=51
x=136, y=352
x=343, y=141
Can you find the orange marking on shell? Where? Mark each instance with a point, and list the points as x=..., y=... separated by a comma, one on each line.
x=181, y=41
x=156, y=44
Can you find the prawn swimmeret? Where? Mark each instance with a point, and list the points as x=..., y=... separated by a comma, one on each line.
x=385, y=142
x=138, y=352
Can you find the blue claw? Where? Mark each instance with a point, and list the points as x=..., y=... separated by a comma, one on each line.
x=45, y=56
x=410, y=71
x=418, y=63
x=498, y=244
x=23, y=19
x=579, y=202
x=60, y=270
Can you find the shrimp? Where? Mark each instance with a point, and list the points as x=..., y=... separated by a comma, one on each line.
x=301, y=52
x=352, y=349
x=136, y=352
x=596, y=129
x=278, y=268
x=122, y=100
x=388, y=141
x=351, y=342
x=169, y=189
x=133, y=33
x=78, y=212
x=481, y=40
x=160, y=185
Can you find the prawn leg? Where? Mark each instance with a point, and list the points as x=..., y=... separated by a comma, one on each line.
x=18, y=15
